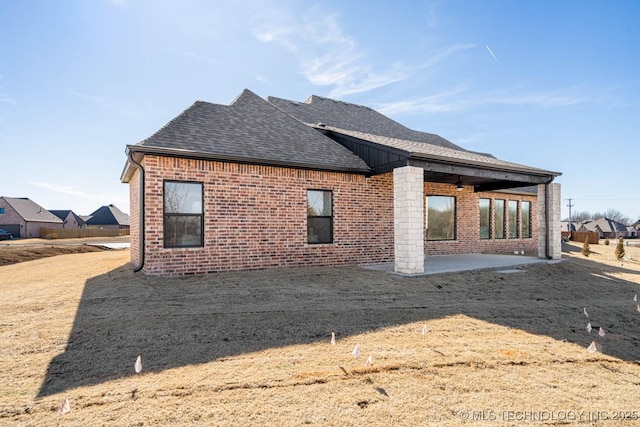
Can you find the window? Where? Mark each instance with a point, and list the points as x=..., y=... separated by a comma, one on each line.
x=485, y=218
x=525, y=224
x=440, y=217
x=1, y=211
x=183, y=214
x=498, y=219
x=319, y=216
x=513, y=218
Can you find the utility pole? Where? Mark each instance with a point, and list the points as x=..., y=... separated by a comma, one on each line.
x=570, y=205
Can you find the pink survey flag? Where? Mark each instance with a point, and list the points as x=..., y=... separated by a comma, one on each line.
x=585, y=312
x=424, y=329
x=64, y=406
x=333, y=338
x=635, y=297
x=601, y=332
x=638, y=307
x=356, y=351
x=138, y=365
x=593, y=347
x=589, y=327
x=368, y=362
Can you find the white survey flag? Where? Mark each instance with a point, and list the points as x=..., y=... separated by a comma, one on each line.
x=64, y=406
x=138, y=365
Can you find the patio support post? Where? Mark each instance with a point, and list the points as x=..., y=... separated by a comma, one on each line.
x=408, y=218
x=549, y=227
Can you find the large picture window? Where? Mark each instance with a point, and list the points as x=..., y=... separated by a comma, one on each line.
x=319, y=216
x=525, y=230
x=183, y=214
x=485, y=218
x=498, y=218
x=440, y=217
x=513, y=219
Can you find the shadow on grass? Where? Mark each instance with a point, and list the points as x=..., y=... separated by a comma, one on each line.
x=175, y=322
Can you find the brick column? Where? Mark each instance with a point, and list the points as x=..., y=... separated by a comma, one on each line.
x=553, y=222
x=408, y=219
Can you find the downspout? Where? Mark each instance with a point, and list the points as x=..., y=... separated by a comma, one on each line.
x=141, y=211
x=547, y=209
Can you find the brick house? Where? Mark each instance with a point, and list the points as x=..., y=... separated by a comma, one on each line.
x=23, y=217
x=276, y=183
x=69, y=218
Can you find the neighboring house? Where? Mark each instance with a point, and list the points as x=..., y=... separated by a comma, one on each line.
x=23, y=217
x=69, y=218
x=108, y=218
x=276, y=183
x=607, y=228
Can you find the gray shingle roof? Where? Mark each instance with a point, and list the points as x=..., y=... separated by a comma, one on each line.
x=30, y=210
x=64, y=213
x=108, y=215
x=431, y=151
x=251, y=130
x=344, y=115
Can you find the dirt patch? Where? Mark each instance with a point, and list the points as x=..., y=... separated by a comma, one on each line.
x=16, y=254
x=254, y=348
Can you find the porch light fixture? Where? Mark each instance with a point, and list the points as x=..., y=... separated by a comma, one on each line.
x=459, y=186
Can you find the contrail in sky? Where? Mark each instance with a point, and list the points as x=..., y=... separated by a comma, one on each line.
x=492, y=55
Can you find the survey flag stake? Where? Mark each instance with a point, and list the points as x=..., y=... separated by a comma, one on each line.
x=64, y=407
x=138, y=365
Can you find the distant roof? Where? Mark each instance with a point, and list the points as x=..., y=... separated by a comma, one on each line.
x=108, y=215
x=319, y=110
x=30, y=210
x=249, y=130
x=63, y=214
x=606, y=225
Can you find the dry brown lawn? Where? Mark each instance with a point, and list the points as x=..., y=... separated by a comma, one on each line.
x=254, y=348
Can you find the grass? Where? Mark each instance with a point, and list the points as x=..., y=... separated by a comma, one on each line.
x=254, y=348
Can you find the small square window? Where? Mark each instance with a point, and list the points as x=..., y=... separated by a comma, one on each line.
x=1, y=211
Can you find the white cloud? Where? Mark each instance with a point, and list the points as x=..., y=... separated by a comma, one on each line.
x=7, y=100
x=460, y=99
x=92, y=98
x=78, y=193
x=326, y=55
x=119, y=3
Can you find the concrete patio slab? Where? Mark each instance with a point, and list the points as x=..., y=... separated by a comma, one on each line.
x=453, y=263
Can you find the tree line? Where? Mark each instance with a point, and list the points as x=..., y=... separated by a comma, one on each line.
x=613, y=214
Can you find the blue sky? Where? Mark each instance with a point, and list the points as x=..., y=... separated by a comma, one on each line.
x=550, y=84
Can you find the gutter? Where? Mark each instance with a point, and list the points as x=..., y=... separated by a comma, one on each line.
x=141, y=209
x=190, y=154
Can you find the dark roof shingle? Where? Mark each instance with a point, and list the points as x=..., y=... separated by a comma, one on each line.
x=252, y=130
x=344, y=115
x=30, y=210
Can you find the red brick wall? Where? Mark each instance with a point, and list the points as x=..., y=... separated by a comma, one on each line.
x=255, y=217
x=468, y=224
x=134, y=217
